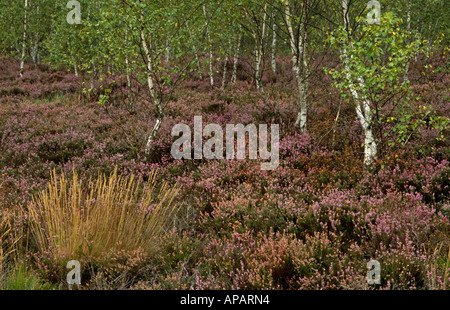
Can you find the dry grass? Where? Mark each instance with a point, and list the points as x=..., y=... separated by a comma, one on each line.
x=7, y=246
x=437, y=263
x=109, y=213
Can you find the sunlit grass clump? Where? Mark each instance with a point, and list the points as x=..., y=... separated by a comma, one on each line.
x=5, y=247
x=110, y=213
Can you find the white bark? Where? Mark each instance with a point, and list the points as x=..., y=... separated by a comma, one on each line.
x=35, y=47
x=199, y=67
x=300, y=68
x=236, y=59
x=259, y=47
x=34, y=50
x=258, y=58
x=151, y=87
x=274, y=45
x=224, y=76
x=92, y=75
x=408, y=27
x=75, y=66
x=363, y=109
x=211, y=72
x=24, y=42
x=167, y=51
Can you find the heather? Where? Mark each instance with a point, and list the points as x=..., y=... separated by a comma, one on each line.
x=312, y=223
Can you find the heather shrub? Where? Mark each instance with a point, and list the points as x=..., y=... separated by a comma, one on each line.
x=117, y=269
x=175, y=265
x=320, y=264
x=312, y=223
x=60, y=148
x=427, y=177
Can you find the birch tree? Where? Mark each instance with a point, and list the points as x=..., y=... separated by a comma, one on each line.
x=151, y=26
x=208, y=35
x=24, y=40
x=362, y=104
x=296, y=24
x=256, y=21
x=236, y=56
x=273, y=60
x=372, y=66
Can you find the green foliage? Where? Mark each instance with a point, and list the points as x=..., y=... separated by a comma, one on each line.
x=375, y=65
x=21, y=278
x=379, y=56
x=410, y=120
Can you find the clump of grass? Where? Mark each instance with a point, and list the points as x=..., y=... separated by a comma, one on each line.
x=21, y=278
x=109, y=213
x=7, y=246
x=440, y=264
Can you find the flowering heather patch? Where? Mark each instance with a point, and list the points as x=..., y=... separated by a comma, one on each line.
x=312, y=223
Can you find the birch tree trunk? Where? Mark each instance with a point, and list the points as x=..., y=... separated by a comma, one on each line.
x=236, y=57
x=274, y=45
x=151, y=88
x=259, y=49
x=130, y=94
x=127, y=69
x=298, y=46
x=363, y=109
x=225, y=65
x=35, y=46
x=24, y=42
x=92, y=75
x=199, y=67
x=408, y=27
x=35, y=50
x=211, y=72
x=75, y=66
x=167, y=51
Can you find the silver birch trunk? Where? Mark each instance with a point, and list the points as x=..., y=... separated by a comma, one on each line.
x=363, y=109
x=225, y=65
x=34, y=50
x=199, y=67
x=236, y=59
x=35, y=46
x=151, y=88
x=75, y=66
x=167, y=51
x=259, y=47
x=408, y=27
x=211, y=72
x=299, y=65
x=274, y=45
x=130, y=94
x=24, y=41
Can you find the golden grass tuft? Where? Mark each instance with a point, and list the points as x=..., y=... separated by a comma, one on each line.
x=7, y=246
x=110, y=213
